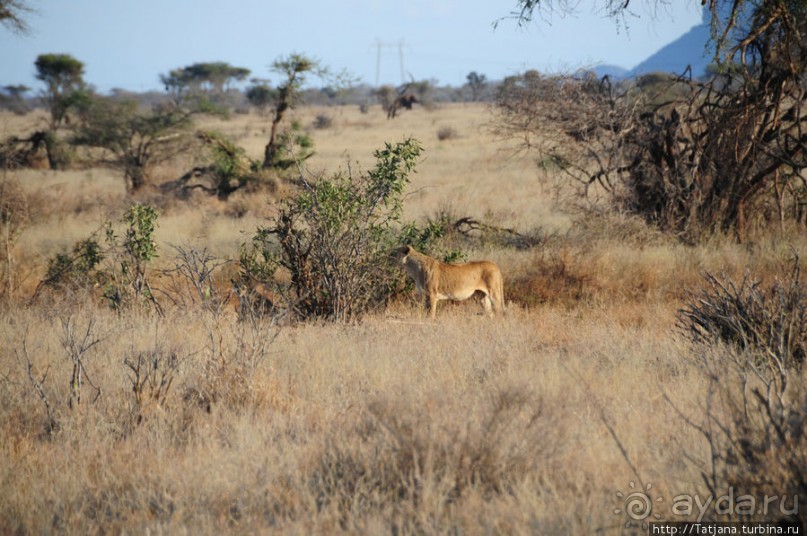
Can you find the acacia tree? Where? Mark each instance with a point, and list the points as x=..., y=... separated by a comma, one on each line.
x=14, y=97
x=218, y=76
x=137, y=141
x=260, y=94
x=294, y=69
x=202, y=80
x=63, y=76
x=476, y=83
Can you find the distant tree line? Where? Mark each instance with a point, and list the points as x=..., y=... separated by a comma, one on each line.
x=134, y=133
x=257, y=94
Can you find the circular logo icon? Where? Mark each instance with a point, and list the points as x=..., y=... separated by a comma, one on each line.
x=637, y=505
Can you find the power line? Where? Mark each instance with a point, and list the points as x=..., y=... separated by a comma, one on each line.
x=379, y=47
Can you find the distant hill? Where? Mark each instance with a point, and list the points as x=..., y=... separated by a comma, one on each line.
x=688, y=50
x=691, y=49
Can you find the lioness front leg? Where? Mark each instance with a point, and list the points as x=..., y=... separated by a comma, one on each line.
x=431, y=305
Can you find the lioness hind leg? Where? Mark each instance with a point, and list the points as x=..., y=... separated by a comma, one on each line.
x=497, y=301
x=498, y=295
x=487, y=304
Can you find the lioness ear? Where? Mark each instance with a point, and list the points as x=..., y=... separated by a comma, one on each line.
x=409, y=249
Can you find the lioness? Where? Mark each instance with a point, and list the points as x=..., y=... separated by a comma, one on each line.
x=441, y=281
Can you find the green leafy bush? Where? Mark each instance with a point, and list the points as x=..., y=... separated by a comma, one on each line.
x=334, y=238
x=293, y=145
x=120, y=268
x=77, y=269
x=131, y=254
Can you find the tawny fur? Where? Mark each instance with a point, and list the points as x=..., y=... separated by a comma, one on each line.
x=440, y=281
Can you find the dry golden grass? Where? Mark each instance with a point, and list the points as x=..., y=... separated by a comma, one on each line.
x=357, y=427
x=526, y=424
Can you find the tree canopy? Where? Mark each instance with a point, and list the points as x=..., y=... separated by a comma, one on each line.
x=206, y=77
x=63, y=76
x=137, y=140
x=60, y=72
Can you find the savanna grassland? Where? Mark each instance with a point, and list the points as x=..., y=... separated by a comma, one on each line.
x=530, y=423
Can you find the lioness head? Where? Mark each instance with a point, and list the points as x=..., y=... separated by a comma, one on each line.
x=400, y=254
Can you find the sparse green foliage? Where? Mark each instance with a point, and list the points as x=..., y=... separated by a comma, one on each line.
x=229, y=168
x=425, y=238
x=138, y=141
x=419, y=238
x=120, y=268
x=77, y=269
x=138, y=240
x=334, y=238
x=131, y=254
x=257, y=260
x=293, y=146
x=293, y=69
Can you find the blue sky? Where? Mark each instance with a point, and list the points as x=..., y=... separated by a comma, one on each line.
x=128, y=44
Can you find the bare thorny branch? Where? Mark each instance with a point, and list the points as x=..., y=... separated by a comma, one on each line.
x=195, y=268
x=689, y=156
x=77, y=342
x=37, y=383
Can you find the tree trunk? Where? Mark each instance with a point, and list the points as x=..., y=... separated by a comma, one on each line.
x=271, y=148
x=136, y=178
